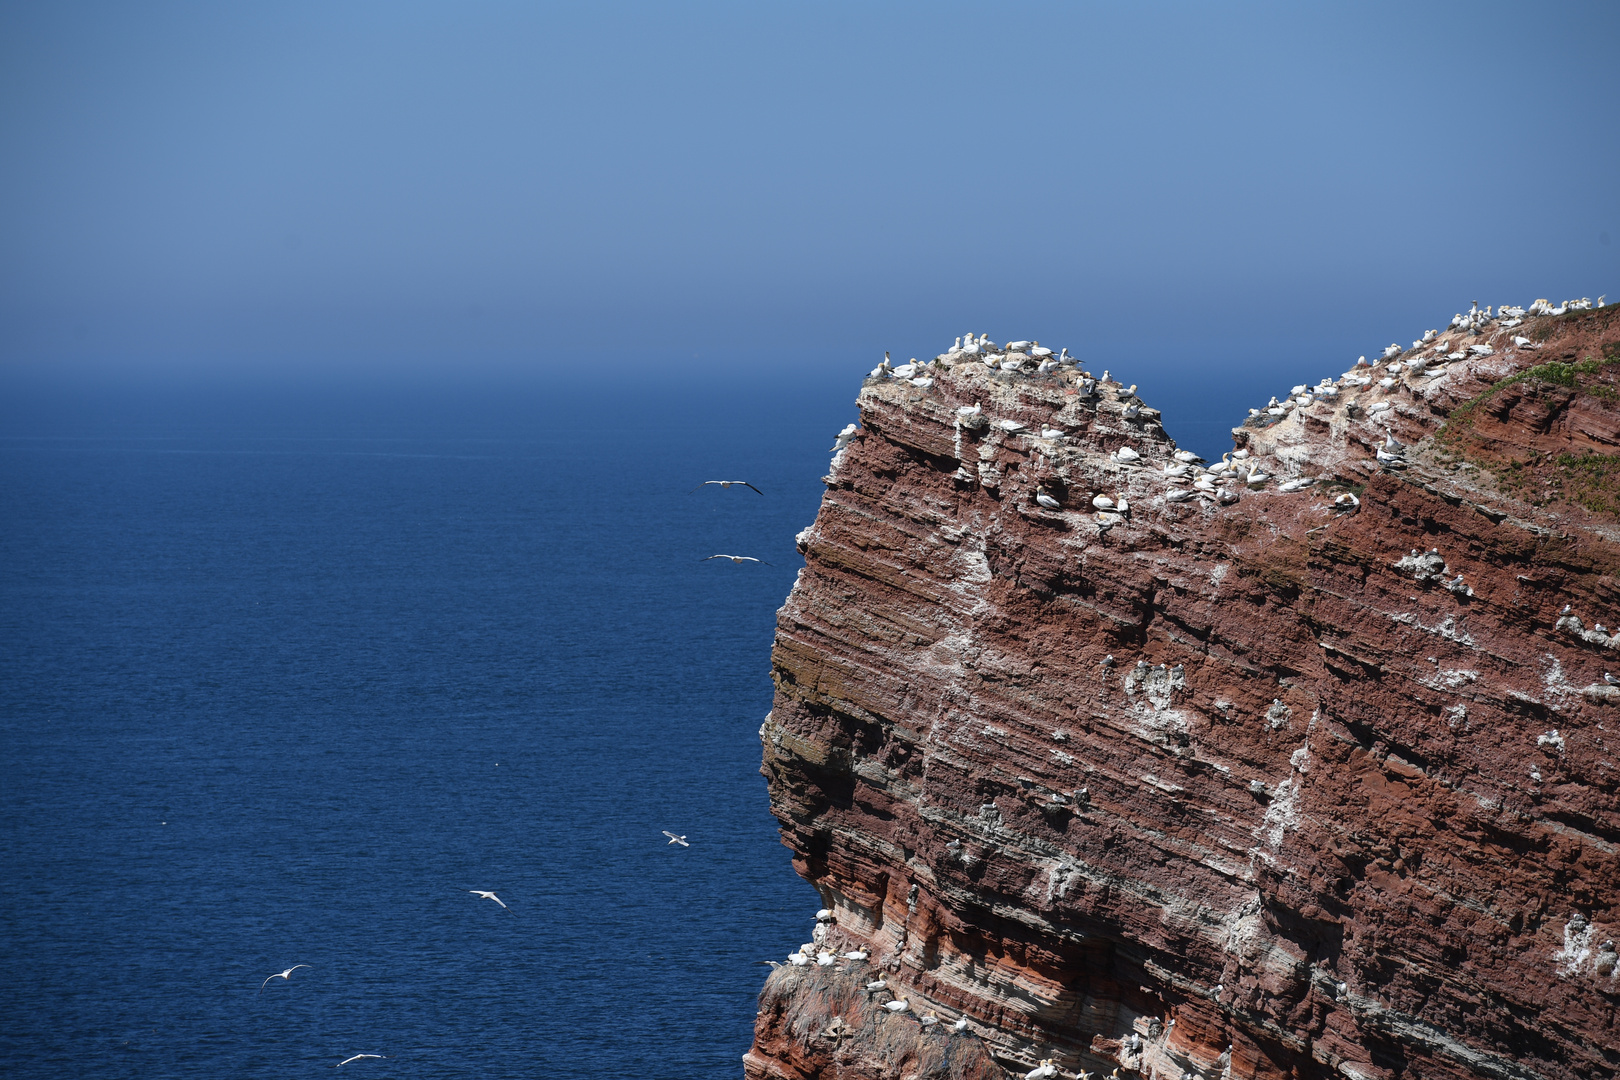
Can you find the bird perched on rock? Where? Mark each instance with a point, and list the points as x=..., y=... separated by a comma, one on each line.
x=898, y=1005
x=844, y=438
x=1047, y=501
x=1125, y=455
x=1044, y=1071
x=960, y=1025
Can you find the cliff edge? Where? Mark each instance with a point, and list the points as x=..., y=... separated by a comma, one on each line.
x=1301, y=763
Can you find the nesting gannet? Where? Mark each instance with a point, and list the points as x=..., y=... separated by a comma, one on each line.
x=727, y=484
x=1012, y=427
x=856, y=954
x=1300, y=483
x=877, y=985
x=1610, y=679
x=969, y=412
x=487, y=895
x=673, y=839
x=928, y=1019
x=1044, y=1071
x=1052, y=432
x=1386, y=458
x=1047, y=501
x=960, y=1025
x=826, y=959
x=1121, y=506
x=798, y=959
x=1131, y=411
x=1186, y=456
x=825, y=915
x=898, y=1005
x=1178, y=495
x=357, y=1057
x=1125, y=455
x=844, y=438
x=739, y=559
x=1346, y=501
x=1102, y=502
x=1257, y=476
x=281, y=975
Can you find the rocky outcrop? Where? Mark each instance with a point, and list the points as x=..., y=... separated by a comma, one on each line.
x=1304, y=765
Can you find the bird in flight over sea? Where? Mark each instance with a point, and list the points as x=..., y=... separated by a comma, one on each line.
x=357, y=1057
x=726, y=484
x=281, y=975
x=673, y=839
x=489, y=895
x=738, y=559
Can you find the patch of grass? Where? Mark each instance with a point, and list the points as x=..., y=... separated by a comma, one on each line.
x=1590, y=480
x=1554, y=372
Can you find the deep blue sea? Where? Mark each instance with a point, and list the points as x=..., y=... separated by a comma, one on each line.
x=285, y=673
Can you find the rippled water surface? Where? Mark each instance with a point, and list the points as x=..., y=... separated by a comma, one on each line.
x=284, y=676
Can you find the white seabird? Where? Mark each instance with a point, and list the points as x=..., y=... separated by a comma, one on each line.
x=726, y=484
x=1044, y=1071
x=877, y=985
x=739, y=559
x=857, y=954
x=844, y=438
x=1125, y=455
x=1012, y=427
x=673, y=839
x=281, y=975
x=960, y=1025
x=1047, y=501
x=1102, y=502
x=898, y=1005
x=487, y=895
x=357, y=1057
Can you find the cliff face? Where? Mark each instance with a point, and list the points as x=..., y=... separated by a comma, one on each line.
x=1255, y=779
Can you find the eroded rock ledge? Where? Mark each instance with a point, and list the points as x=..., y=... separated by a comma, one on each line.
x=1265, y=779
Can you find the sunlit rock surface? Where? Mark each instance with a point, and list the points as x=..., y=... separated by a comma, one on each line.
x=1304, y=768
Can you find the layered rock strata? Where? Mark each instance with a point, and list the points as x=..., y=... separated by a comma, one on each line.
x=1303, y=766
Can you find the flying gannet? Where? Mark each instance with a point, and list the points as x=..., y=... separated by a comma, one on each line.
x=487, y=896
x=739, y=559
x=673, y=839
x=357, y=1057
x=725, y=484
x=281, y=975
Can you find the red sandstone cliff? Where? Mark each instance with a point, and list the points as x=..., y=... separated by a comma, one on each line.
x=1245, y=782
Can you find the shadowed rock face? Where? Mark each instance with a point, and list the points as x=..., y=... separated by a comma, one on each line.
x=1250, y=788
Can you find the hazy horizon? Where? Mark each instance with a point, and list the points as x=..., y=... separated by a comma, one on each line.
x=1210, y=201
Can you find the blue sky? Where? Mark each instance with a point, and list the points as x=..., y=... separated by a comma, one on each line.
x=1189, y=193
